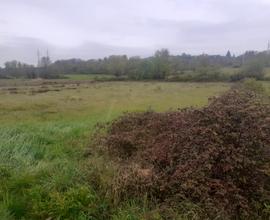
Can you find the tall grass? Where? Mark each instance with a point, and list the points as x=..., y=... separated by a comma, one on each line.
x=40, y=165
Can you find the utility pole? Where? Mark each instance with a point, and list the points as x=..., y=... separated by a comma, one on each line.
x=38, y=58
x=38, y=64
x=268, y=48
x=48, y=60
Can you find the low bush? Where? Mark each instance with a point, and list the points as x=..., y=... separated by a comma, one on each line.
x=251, y=70
x=201, y=75
x=253, y=85
x=216, y=158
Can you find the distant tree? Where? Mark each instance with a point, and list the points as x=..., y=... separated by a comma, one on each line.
x=17, y=69
x=253, y=69
x=228, y=54
x=203, y=61
x=163, y=53
x=161, y=64
x=11, y=64
x=116, y=65
x=45, y=61
x=134, y=70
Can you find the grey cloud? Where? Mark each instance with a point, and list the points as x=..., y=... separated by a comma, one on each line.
x=97, y=28
x=25, y=50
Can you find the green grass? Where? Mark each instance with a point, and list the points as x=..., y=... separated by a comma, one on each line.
x=267, y=72
x=44, y=173
x=88, y=76
x=103, y=101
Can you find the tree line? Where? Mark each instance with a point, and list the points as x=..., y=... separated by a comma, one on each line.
x=161, y=66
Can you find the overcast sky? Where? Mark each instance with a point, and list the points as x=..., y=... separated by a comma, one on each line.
x=97, y=28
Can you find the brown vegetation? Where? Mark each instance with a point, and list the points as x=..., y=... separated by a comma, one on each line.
x=216, y=157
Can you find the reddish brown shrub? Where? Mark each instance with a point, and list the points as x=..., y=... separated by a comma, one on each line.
x=216, y=156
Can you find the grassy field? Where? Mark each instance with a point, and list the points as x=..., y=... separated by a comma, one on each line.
x=88, y=76
x=45, y=131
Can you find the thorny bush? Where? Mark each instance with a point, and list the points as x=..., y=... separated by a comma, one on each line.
x=217, y=156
